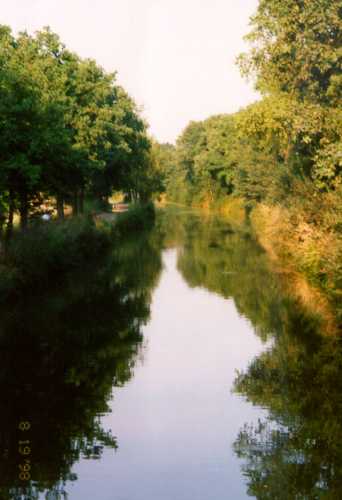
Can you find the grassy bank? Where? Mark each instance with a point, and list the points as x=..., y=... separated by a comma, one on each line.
x=41, y=256
x=138, y=217
x=304, y=242
x=46, y=253
x=305, y=247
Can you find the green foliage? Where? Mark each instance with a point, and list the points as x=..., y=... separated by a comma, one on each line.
x=164, y=163
x=42, y=256
x=297, y=61
x=296, y=49
x=137, y=218
x=296, y=449
x=202, y=165
x=66, y=127
x=49, y=252
x=78, y=342
x=217, y=160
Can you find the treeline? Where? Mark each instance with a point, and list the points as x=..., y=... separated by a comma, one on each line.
x=67, y=130
x=284, y=151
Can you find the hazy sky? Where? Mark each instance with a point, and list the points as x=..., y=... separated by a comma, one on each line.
x=175, y=57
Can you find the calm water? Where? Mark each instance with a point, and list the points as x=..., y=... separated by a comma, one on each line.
x=179, y=369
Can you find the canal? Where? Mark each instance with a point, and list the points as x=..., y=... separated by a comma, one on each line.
x=182, y=368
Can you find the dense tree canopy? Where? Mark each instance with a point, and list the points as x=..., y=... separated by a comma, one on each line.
x=296, y=49
x=66, y=128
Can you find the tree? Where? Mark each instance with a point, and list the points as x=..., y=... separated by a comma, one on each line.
x=296, y=59
x=296, y=49
x=67, y=129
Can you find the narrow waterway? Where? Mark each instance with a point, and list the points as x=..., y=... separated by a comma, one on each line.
x=176, y=420
x=184, y=370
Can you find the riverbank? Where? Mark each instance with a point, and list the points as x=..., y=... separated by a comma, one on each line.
x=306, y=255
x=305, y=250
x=47, y=252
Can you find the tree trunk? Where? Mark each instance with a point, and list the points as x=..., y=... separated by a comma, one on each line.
x=134, y=196
x=1, y=236
x=81, y=201
x=2, y=222
x=23, y=211
x=75, y=204
x=9, y=227
x=60, y=207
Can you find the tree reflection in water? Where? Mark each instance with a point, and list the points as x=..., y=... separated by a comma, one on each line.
x=61, y=356
x=296, y=452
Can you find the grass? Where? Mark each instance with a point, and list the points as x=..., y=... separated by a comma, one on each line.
x=137, y=218
x=302, y=235
x=44, y=255
x=41, y=256
x=233, y=208
x=293, y=237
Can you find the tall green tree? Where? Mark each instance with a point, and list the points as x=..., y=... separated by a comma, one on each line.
x=67, y=129
x=296, y=49
x=296, y=57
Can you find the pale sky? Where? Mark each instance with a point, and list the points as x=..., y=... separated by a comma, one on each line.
x=174, y=57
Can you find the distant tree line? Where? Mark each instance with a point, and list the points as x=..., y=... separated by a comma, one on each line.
x=67, y=130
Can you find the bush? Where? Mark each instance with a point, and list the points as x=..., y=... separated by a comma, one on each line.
x=137, y=218
x=45, y=253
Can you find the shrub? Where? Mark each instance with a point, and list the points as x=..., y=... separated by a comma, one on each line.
x=137, y=218
x=44, y=254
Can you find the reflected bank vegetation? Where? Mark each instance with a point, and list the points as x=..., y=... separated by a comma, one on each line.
x=62, y=355
x=295, y=453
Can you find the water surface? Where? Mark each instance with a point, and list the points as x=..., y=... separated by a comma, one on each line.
x=182, y=369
